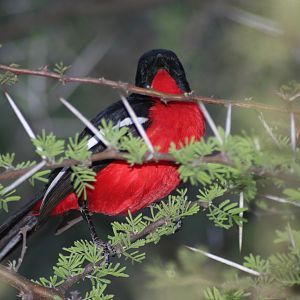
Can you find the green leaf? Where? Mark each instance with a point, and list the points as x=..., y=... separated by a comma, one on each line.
x=8, y=78
x=135, y=147
x=256, y=263
x=6, y=160
x=60, y=68
x=47, y=145
x=113, y=134
x=6, y=198
x=40, y=176
x=226, y=214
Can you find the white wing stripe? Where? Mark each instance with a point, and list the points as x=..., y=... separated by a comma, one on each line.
x=92, y=142
x=128, y=121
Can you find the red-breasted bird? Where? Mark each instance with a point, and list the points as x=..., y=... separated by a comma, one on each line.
x=120, y=187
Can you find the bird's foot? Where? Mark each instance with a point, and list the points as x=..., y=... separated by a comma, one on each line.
x=107, y=249
x=178, y=224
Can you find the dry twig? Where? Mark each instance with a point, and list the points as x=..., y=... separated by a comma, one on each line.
x=150, y=92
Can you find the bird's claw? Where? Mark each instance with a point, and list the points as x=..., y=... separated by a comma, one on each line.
x=178, y=224
x=107, y=249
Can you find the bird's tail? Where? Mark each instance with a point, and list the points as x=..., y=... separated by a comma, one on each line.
x=10, y=230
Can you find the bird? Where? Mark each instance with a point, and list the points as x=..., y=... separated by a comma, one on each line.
x=120, y=187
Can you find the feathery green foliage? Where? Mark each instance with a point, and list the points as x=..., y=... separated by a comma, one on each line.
x=61, y=69
x=216, y=294
x=225, y=214
x=6, y=198
x=7, y=160
x=48, y=146
x=113, y=134
x=135, y=147
x=82, y=176
x=9, y=78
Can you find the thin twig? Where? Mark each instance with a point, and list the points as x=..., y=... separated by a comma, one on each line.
x=225, y=261
x=137, y=124
x=85, y=121
x=143, y=91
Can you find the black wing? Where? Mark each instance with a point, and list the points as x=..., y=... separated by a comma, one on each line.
x=60, y=184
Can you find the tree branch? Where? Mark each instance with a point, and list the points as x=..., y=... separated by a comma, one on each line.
x=89, y=268
x=130, y=88
x=113, y=154
x=29, y=289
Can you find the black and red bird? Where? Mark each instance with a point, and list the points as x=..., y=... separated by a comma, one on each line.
x=120, y=187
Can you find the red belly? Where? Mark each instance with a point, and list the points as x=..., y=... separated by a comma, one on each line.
x=120, y=187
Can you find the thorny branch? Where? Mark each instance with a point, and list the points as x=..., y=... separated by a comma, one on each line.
x=130, y=88
x=108, y=154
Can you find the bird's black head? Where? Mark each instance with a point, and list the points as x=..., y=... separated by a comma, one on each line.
x=160, y=59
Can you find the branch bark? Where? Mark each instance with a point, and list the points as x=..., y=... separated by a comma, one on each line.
x=29, y=289
x=130, y=88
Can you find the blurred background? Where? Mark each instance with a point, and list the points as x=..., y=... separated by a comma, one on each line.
x=230, y=49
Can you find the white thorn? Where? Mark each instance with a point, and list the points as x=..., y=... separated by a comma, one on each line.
x=22, y=119
x=24, y=177
x=85, y=121
x=291, y=236
x=20, y=116
x=228, y=120
x=281, y=200
x=268, y=129
x=241, y=205
x=293, y=131
x=226, y=261
x=211, y=122
x=137, y=124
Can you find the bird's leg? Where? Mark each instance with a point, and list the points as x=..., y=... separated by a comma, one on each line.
x=106, y=247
